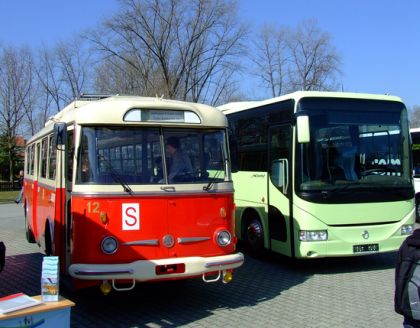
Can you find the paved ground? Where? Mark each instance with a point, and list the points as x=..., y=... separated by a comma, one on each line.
x=274, y=292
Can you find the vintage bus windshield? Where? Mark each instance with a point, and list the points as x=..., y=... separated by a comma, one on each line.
x=152, y=155
x=355, y=144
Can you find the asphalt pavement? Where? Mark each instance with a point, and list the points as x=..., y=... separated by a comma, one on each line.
x=272, y=292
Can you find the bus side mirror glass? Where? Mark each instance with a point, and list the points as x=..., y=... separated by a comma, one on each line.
x=303, y=133
x=60, y=134
x=279, y=173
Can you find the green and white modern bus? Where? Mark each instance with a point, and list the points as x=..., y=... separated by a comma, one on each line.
x=322, y=173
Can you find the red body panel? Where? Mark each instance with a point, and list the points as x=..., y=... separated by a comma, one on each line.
x=180, y=216
x=45, y=205
x=30, y=192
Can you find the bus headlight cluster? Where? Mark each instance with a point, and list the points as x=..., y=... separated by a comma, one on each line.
x=109, y=245
x=407, y=229
x=223, y=238
x=313, y=235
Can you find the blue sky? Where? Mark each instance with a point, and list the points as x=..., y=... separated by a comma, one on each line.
x=378, y=40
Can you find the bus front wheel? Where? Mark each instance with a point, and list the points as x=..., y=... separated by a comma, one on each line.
x=255, y=237
x=417, y=212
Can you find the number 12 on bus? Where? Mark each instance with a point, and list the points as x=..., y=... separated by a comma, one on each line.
x=322, y=174
x=127, y=189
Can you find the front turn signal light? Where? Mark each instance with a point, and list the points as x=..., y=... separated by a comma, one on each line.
x=106, y=287
x=227, y=277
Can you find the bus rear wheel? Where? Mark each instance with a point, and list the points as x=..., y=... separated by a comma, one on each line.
x=48, y=241
x=28, y=232
x=255, y=237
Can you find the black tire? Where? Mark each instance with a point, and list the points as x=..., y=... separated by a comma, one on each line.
x=48, y=242
x=255, y=237
x=417, y=212
x=28, y=232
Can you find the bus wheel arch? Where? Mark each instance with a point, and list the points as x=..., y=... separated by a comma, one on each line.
x=253, y=232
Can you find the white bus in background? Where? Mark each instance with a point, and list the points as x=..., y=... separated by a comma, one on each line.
x=415, y=138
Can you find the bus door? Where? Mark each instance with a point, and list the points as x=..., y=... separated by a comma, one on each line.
x=36, y=192
x=61, y=149
x=68, y=158
x=279, y=186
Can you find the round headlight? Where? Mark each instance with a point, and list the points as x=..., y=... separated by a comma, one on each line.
x=109, y=245
x=223, y=238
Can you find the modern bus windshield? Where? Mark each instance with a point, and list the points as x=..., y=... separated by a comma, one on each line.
x=355, y=144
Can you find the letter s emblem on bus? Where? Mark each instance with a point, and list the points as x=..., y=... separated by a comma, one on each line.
x=131, y=216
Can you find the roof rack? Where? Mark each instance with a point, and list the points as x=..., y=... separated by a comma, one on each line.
x=94, y=96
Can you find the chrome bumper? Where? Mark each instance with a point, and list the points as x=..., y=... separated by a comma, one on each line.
x=145, y=270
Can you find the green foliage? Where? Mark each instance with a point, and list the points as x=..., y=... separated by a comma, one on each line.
x=8, y=196
x=5, y=159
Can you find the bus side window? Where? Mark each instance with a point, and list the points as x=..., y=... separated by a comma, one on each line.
x=52, y=158
x=70, y=160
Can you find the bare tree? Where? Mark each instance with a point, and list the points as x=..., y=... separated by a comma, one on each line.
x=314, y=61
x=271, y=58
x=75, y=63
x=45, y=95
x=414, y=114
x=302, y=59
x=62, y=73
x=180, y=48
x=116, y=76
x=15, y=86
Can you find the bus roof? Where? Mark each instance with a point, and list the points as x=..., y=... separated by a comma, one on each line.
x=110, y=110
x=243, y=105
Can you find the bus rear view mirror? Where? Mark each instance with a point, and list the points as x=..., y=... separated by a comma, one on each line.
x=60, y=133
x=303, y=133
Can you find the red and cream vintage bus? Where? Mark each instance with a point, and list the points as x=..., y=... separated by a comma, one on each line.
x=104, y=192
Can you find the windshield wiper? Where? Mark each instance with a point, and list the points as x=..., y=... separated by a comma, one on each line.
x=116, y=176
x=213, y=179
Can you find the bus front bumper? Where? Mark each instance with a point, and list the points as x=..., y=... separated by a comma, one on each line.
x=145, y=270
